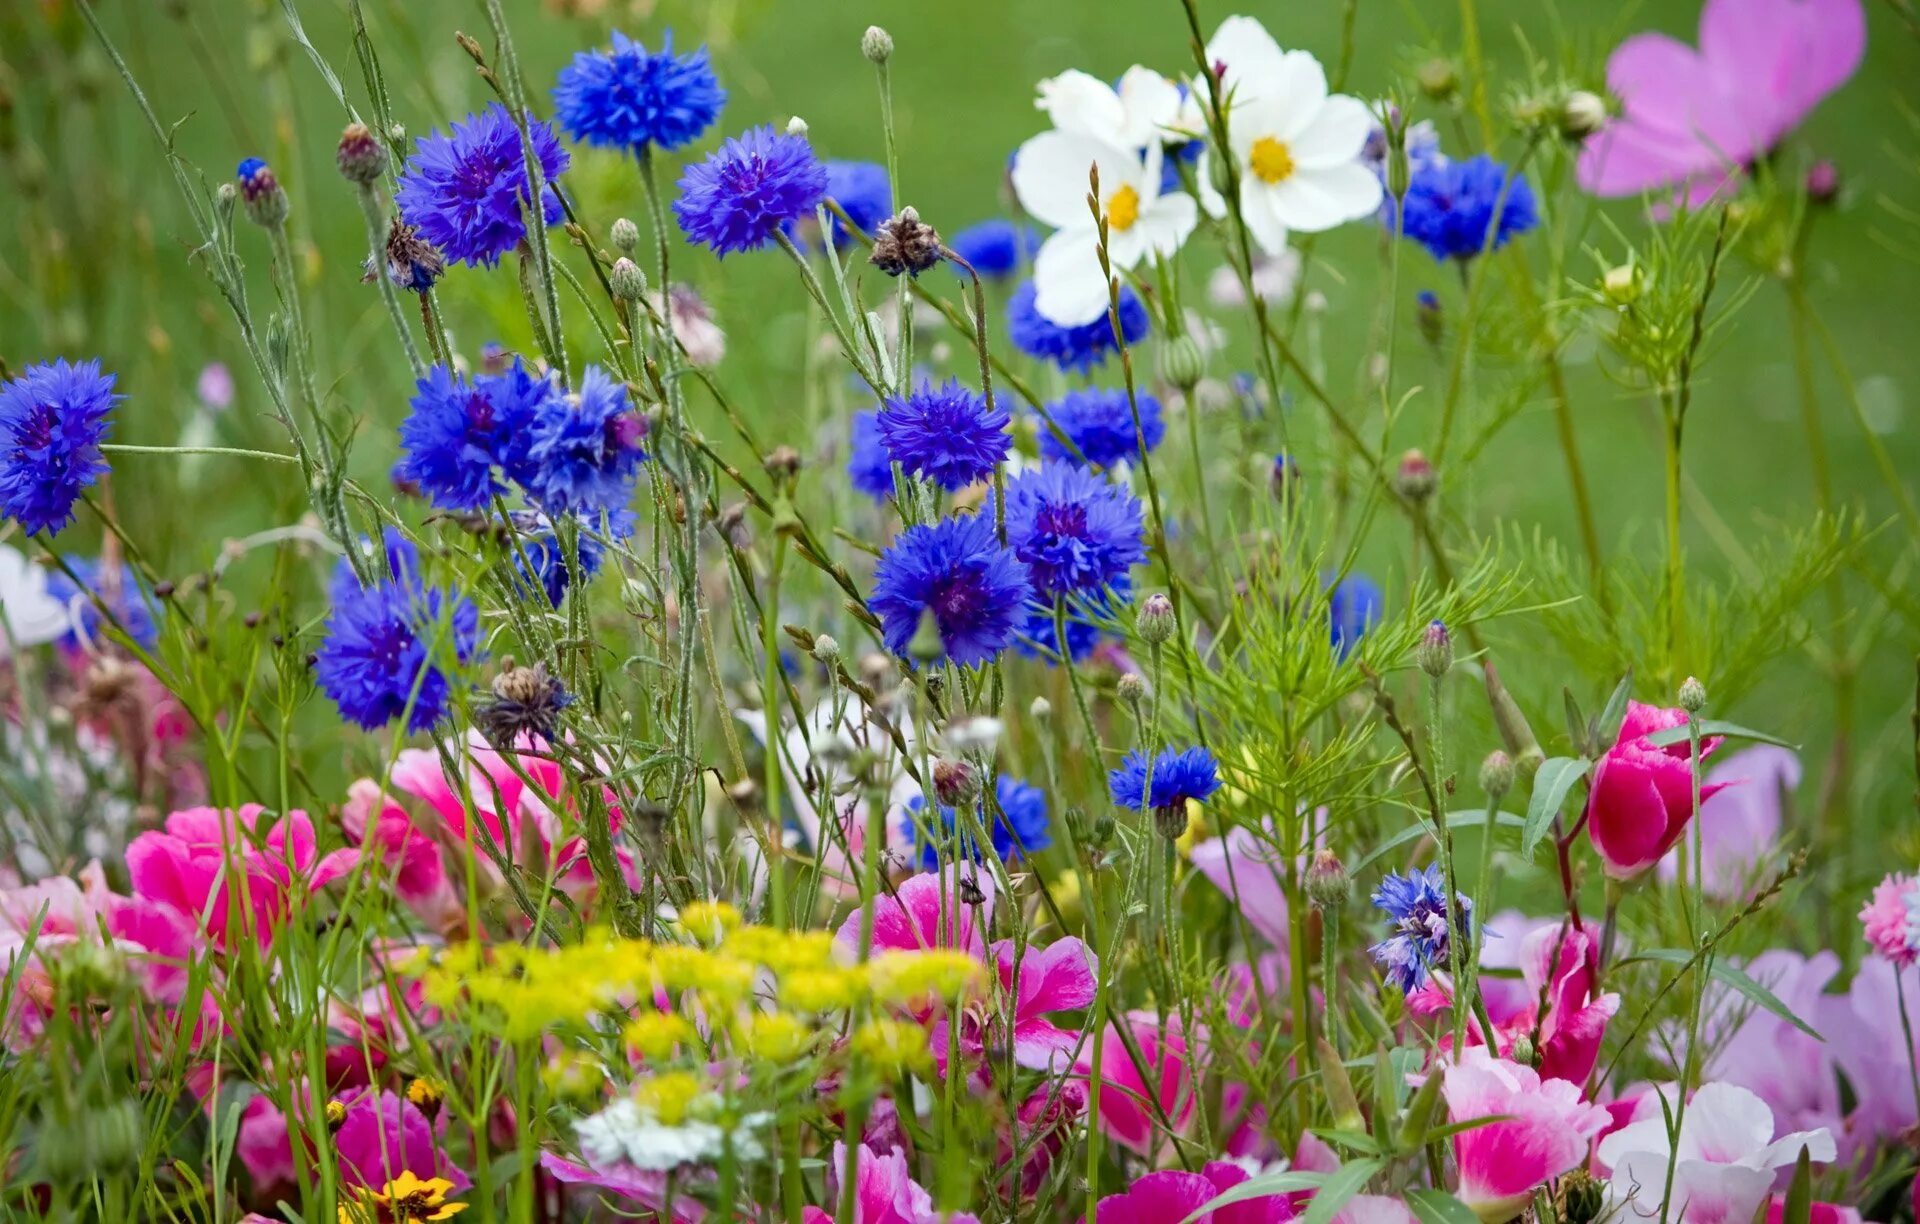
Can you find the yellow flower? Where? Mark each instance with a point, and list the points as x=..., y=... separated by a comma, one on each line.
x=781, y=951
x=892, y=1047
x=403, y=1200
x=426, y=1093
x=909, y=977
x=775, y=1037
x=1197, y=829
x=668, y=1097
x=654, y=1034
x=709, y=921
x=822, y=990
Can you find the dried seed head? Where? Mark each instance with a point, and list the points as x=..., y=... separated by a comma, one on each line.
x=905, y=243
x=526, y=701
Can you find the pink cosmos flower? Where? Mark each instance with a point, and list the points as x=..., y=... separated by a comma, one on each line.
x=1693, y=119
x=1884, y=918
x=264, y=867
x=927, y=911
x=884, y=1192
x=1866, y=1038
x=385, y=1135
x=645, y=1187
x=1127, y=1107
x=1374, y=1209
x=1043, y=1125
x=1545, y=1131
x=1248, y=870
x=1722, y=1165
x=1821, y=1213
x=1740, y=825
x=1642, y=795
x=1171, y=1196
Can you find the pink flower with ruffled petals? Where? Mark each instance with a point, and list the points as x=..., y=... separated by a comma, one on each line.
x=927, y=911
x=409, y=856
x=1693, y=119
x=1172, y=1195
x=1818, y=1213
x=263, y=866
x=1544, y=1131
x=1059, y=977
x=1884, y=918
x=1722, y=1165
x=1642, y=795
x=1130, y=1109
x=884, y=1192
x=384, y=1135
x=1566, y=962
x=1043, y=1125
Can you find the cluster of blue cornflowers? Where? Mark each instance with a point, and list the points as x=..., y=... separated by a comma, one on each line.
x=388, y=643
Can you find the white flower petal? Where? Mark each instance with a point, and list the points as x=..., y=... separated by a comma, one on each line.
x=1165, y=226
x=1152, y=105
x=1050, y=176
x=1723, y=1123
x=1337, y=134
x=1214, y=204
x=1321, y=198
x=1298, y=86
x=29, y=616
x=1243, y=45
x=1256, y=209
x=1083, y=104
x=1069, y=288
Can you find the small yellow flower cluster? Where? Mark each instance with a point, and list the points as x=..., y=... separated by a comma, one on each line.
x=907, y=978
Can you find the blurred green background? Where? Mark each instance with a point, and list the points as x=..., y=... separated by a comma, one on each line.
x=94, y=255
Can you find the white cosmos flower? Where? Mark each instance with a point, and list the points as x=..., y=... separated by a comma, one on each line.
x=1050, y=176
x=29, y=616
x=1297, y=147
x=1144, y=108
x=1724, y=1161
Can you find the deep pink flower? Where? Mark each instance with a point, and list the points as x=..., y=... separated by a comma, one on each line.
x=385, y=1135
x=263, y=866
x=1642, y=795
x=1045, y=1122
x=645, y=1187
x=1740, y=826
x=1059, y=977
x=884, y=1192
x=1692, y=120
x=1544, y=1131
x=1566, y=962
x=927, y=911
x=1170, y=1196
x=1884, y=918
x=1820, y=1213
x=1127, y=1107
x=408, y=855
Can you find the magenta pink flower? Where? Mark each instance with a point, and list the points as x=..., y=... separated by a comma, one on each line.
x=884, y=1192
x=643, y=1186
x=385, y=1135
x=1171, y=1196
x=1059, y=977
x=264, y=867
x=1131, y=1108
x=1692, y=120
x=927, y=911
x=408, y=855
x=1642, y=795
x=1044, y=1124
x=1884, y=918
x=1544, y=1131
x=1566, y=962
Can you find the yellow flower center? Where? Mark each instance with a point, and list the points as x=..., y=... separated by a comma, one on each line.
x=1272, y=160
x=1123, y=209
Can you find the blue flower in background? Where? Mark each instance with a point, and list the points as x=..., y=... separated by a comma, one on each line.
x=1451, y=207
x=1037, y=639
x=1020, y=825
x=1075, y=349
x=1179, y=775
x=459, y=433
x=629, y=98
x=583, y=451
x=869, y=466
x=957, y=572
x=1421, y=932
x=122, y=593
x=53, y=417
x=740, y=196
x=1353, y=607
x=861, y=189
x=464, y=192
x=996, y=249
x=378, y=655
x=542, y=561
x=1100, y=423
x=1075, y=530
x=945, y=434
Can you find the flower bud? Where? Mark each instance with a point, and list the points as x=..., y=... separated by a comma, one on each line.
x=955, y=781
x=1580, y=1197
x=1496, y=774
x=1041, y=709
x=1622, y=284
x=876, y=44
x=1512, y=724
x=1130, y=687
x=628, y=282
x=1102, y=831
x=624, y=235
x=1415, y=479
x=1582, y=114
x=796, y=126
x=1435, y=652
x=336, y=1115
x=261, y=192
x=1522, y=1050
x=1181, y=362
x=826, y=649
x=360, y=157
x=1438, y=79
x=1328, y=884
x=1171, y=821
x=1284, y=479
x=1155, y=620
x=1823, y=183
x=1693, y=695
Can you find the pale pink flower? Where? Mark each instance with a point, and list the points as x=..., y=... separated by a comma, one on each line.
x=1172, y=1195
x=1740, y=825
x=1642, y=796
x=643, y=1186
x=884, y=1192
x=1694, y=119
x=1865, y=1035
x=1544, y=1131
x=1722, y=1164
x=1374, y=1209
x=1884, y=918
x=1131, y=1108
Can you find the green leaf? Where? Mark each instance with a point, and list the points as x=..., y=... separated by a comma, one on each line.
x=1439, y=1207
x=1271, y=1183
x=1576, y=723
x=1455, y=820
x=1713, y=726
x=1799, y=1209
x=1551, y=783
x=1607, y=729
x=1731, y=976
x=1342, y=1184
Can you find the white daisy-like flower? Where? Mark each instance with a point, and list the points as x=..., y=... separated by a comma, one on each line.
x=1296, y=146
x=1050, y=176
x=624, y=1133
x=1144, y=108
x=29, y=616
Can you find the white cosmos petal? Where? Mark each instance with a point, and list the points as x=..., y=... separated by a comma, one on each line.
x=1166, y=225
x=1724, y=1123
x=1786, y=1149
x=1050, y=176
x=1069, y=288
x=1152, y=105
x=1321, y=198
x=1083, y=104
x=1299, y=88
x=1210, y=198
x=1256, y=209
x=1247, y=50
x=1337, y=134
x=1707, y=1193
x=29, y=616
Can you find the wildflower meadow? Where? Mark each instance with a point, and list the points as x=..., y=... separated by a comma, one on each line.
x=1121, y=611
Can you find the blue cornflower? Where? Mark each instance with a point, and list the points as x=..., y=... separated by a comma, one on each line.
x=957, y=572
x=862, y=190
x=1353, y=607
x=53, y=418
x=1101, y=425
x=629, y=98
x=1451, y=206
x=1076, y=349
x=1019, y=826
x=459, y=432
x=1421, y=929
x=542, y=561
x=996, y=249
x=122, y=593
x=1038, y=641
x=945, y=433
x=463, y=192
x=379, y=656
x=1075, y=530
x=748, y=188
x=869, y=466
x=583, y=451
x=1179, y=776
